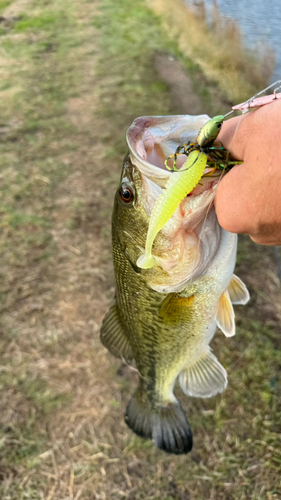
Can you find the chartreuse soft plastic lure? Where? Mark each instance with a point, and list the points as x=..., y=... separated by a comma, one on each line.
x=178, y=186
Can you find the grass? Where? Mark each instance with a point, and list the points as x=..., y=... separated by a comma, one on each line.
x=71, y=86
x=217, y=46
x=4, y=4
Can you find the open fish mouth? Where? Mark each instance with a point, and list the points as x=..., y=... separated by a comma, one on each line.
x=190, y=239
x=151, y=139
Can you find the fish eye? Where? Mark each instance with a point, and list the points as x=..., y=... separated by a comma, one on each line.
x=126, y=193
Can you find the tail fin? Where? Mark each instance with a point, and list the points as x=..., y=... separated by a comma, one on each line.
x=167, y=426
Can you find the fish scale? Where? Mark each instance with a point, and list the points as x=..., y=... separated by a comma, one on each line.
x=163, y=320
x=153, y=338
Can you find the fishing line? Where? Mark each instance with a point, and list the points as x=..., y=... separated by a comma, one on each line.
x=278, y=262
x=210, y=205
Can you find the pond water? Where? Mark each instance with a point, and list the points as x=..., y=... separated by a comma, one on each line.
x=259, y=21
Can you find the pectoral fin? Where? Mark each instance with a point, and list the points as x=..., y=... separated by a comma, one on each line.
x=238, y=292
x=205, y=378
x=112, y=335
x=225, y=315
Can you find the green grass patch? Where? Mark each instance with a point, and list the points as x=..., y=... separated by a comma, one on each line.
x=45, y=22
x=42, y=396
x=131, y=34
x=16, y=219
x=4, y=4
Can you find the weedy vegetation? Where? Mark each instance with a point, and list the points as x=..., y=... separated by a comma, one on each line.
x=216, y=44
x=73, y=77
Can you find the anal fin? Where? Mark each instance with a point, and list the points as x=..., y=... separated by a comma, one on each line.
x=112, y=335
x=205, y=378
x=225, y=316
x=238, y=292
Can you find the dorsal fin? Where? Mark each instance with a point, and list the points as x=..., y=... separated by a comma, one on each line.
x=112, y=335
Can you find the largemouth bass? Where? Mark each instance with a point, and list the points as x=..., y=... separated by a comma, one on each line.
x=164, y=317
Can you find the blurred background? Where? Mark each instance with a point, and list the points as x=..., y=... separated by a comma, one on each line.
x=74, y=75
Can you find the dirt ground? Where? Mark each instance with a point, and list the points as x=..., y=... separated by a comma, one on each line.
x=74, y=76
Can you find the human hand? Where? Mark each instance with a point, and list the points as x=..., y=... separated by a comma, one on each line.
x=248, y=199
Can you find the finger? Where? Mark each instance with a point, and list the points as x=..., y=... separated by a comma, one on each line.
x=265, y=241
x=237, y=132
x=235, y=201
x=229, y=136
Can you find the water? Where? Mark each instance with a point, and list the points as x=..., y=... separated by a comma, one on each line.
x=259, y=22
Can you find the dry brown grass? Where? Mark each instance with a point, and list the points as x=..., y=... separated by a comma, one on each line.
x=217, y=48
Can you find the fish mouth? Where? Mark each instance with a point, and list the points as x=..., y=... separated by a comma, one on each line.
x=191, y=237
x=151, y=139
